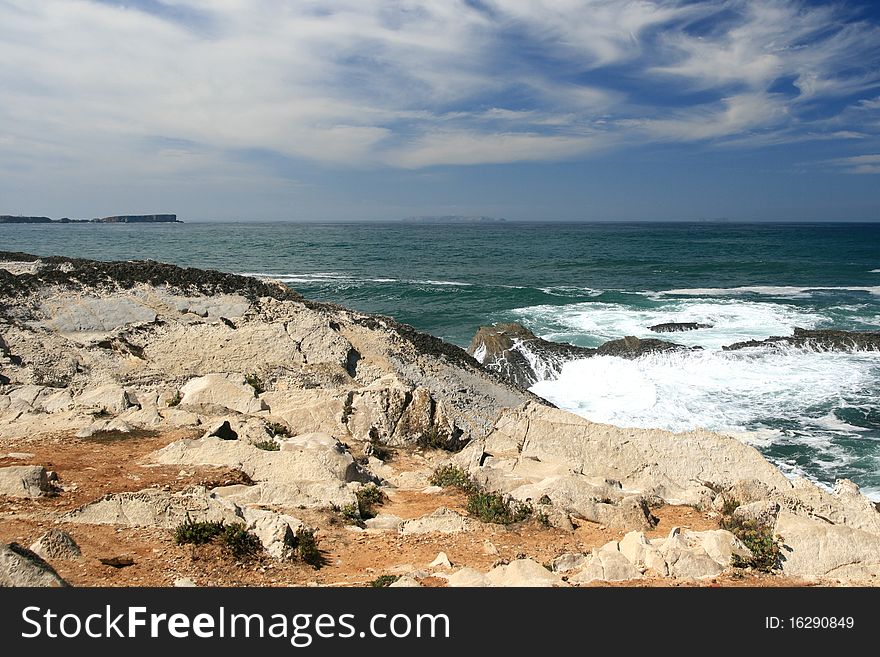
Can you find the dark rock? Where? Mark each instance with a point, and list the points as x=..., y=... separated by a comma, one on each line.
x=633, y=347
x=117, y=562
x=674, y=327
x=819, y=340
x=520, y=356
x=224, y=431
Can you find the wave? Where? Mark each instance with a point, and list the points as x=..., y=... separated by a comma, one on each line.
x=732, y=320
x=874, y=271
x=338, y=277
x=767, y=290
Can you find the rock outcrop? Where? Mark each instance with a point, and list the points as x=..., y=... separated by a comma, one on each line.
x=677, y=327
x=818, y=340
x=25, y=481
x=520, y=356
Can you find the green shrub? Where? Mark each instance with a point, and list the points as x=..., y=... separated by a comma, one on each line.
x=452, y=476
x=368, y=498
x=351, y=513
x=766, y=548
x=256, y=383
x=175, y=399
x=197, y=533
x=277, y=429
x=435, y=437
x=384, y=581
x=268, y=445
x=239, y=542
x=729, y=507
x=494, y=508
x=305, y=547
x=235, y=539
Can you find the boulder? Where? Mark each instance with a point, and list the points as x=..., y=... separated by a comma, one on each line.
x=465, y=577
x=276, y=531
x=56, y=544
x=442, y=521
x=815, y=548
x=569, y=561
x=405, y=582
x=21, y=567
x=230, y=391
x=155, y=508
x=24, y=481
x=109, y=398
x=762, y=513
x=606, y=564
x=522, y=572
x=384, y=522
x=440, y=561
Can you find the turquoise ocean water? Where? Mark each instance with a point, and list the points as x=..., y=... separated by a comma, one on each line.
x=813, y=414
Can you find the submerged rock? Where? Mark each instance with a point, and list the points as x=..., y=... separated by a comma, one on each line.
x=633, y=347
x=675, y=327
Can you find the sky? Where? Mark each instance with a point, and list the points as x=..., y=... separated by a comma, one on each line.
x=536, y=110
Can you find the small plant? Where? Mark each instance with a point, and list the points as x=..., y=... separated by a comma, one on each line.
x=368, y=498
x=351, y=513
x=384, y=581
x=256, y=383
x=494, y=508
x=197, y=533
x=435, y=437
x=277, y=429
x=766, y=548
x=267, y=445
x=730, y=505
x=305, y=547
x=452, y=476
x=239, y=542
x=175, y=400
x=235, y=539
x=543, y=518
x=545, y=499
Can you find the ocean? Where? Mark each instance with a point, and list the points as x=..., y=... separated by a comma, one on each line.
x=811, y=413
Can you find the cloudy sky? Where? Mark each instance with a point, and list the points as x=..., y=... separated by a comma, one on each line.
x=525, y=109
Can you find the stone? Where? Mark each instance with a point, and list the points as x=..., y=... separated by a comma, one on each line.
x=440, y=561
x=230, y=391
x=384, y=522
x=674, y=327
x=762, y=513
x=56, y=544
x=222, y=430
x=569, y=561
x=489, y=548
x=155, y=508
x=276, y=531
x=21, y=567
x=522, y=572
x=24, y=481
x=442, y=521
x=110, y=398
x=405, y=582
x=814, y=548
x=184, y=582
x=465, y=577
x=633, y=347
x=606, y=564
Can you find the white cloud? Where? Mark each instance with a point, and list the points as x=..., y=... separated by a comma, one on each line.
x=84, y=85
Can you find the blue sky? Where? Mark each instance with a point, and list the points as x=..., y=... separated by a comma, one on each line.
x=524, y=109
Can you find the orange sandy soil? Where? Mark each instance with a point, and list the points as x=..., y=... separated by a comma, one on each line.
x=91, y=468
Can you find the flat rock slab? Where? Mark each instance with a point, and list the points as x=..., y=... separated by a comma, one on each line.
x=95, y=314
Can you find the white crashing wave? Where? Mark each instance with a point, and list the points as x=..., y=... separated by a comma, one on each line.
x=733, y=320
x=767, y=290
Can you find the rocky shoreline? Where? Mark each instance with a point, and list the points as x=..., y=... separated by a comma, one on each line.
x=240, y=403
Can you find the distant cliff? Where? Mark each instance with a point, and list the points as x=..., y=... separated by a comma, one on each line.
x=452, y=219
x=117, y=219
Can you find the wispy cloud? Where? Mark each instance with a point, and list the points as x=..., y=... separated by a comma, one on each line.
x=85, y=84
x=858, y=164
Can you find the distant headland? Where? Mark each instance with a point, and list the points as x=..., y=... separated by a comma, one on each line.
x=452, y=219
x=116, y=219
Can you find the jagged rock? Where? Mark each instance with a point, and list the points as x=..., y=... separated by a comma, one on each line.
x=819, y=340
x=520, y=356
x=641, y=553
x=606, y=564
x=56, y=544
x=761, y=513
x=24, y=481
x=108, y=399
x=440, y=561
x=633, y=347
x=699, y=555
x=155, y=508
x=522, y=572
x=276, y=531
x=674, y=327
x=229, y=391
x=442, y=521
x=569, y=561
x=815, y=548
x=21, y=567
